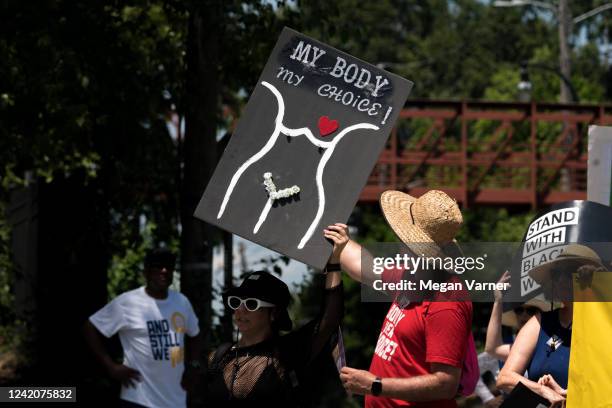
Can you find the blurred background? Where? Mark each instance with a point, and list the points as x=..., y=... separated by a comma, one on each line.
x=114, y=113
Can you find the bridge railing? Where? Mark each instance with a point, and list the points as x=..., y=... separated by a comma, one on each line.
x=489, y=153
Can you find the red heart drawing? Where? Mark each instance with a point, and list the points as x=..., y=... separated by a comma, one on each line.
x=326, y=126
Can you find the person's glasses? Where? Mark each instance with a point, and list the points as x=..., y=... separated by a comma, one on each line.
x=250, y=304
x=529, y=310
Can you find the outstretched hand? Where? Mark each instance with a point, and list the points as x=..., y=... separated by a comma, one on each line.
x=338, y=234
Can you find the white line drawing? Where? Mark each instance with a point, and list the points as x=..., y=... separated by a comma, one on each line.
x=279, y=128
x=263, y=215
x=273, y=195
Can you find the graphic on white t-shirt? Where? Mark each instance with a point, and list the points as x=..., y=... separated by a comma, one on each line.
x=152, y=334
x=281, y=128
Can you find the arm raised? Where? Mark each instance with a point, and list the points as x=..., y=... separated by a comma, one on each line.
x=494, y=344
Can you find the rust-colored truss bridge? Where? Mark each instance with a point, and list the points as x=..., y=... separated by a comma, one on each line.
x=489, y=153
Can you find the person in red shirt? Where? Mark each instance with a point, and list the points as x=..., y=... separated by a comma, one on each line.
x=422, y=345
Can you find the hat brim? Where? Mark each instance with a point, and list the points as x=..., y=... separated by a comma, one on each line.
x=239, y=291
x=395, y=207
x=542, y=273
x=509, y=318
x=243, y=292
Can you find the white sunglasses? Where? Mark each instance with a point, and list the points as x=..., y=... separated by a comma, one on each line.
x=250, y=304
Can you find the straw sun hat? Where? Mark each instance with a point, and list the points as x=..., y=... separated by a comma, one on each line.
x=509, y=318
x=427, y=225
x=572, y=257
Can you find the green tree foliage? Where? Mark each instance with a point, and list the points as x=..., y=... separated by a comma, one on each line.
x=86, y=86
x=493, y=225
x=460, y=49
x=79, y=79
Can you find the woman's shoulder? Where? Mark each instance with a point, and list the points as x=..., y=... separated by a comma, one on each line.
x=215, y=356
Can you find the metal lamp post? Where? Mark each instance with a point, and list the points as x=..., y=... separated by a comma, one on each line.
x=565, y=21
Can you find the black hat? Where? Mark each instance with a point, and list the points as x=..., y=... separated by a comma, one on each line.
x=160, y=257
x=265, y=286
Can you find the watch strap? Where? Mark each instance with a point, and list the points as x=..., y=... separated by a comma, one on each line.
x=376, y=388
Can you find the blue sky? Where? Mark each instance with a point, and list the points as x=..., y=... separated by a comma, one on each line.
x=292, y=274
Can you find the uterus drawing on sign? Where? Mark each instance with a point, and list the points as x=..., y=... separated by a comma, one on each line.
x=326, y=127
x=276, y=194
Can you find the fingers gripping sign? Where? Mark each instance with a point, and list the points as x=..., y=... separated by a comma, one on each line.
x=338, y=234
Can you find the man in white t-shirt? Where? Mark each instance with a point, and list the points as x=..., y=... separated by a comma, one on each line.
x=158, y=331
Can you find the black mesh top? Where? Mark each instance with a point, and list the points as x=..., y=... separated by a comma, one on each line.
x=273, y=373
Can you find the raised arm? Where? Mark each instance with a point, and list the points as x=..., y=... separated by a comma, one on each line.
x=332, y=313
x=321, y=329
x=494, y=344
x=333, y=310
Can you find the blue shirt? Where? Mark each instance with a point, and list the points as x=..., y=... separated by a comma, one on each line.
x=552, y=352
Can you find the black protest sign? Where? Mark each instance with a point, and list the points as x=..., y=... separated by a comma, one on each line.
x=302, y=151
x=523, y=397
x=571, y=222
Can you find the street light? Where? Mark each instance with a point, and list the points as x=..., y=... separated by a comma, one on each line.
x=515, y=3
x=524, y=86
x=564, y=16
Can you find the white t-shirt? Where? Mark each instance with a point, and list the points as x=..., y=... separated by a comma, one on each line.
x=152, y=334
x=486, y=362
